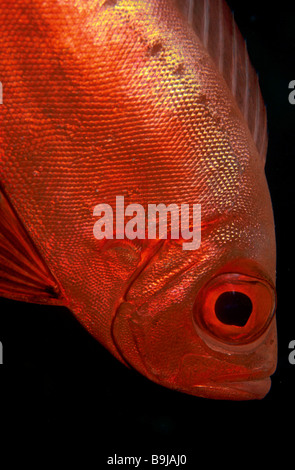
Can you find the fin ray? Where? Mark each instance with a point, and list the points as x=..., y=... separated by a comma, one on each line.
x=23, y=274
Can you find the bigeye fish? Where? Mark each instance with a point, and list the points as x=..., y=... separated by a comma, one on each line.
x=155, y=101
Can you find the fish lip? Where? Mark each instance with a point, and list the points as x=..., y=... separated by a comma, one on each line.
x=256, y=388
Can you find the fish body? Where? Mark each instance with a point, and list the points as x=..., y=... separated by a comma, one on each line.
x=156, y=101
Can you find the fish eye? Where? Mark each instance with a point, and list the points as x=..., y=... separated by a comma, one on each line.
x=234, y=308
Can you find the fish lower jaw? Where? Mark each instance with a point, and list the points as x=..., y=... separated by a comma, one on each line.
x=254, y=389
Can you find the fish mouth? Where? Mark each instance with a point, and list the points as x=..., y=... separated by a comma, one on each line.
x=254, y=389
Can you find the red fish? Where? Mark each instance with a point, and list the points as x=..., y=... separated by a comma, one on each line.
x=156, y=101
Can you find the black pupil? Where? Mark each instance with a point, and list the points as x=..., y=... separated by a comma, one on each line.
x=233, y=308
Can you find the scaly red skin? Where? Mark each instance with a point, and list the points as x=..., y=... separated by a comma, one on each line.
x=105, y=100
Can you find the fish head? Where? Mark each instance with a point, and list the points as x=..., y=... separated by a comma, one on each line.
x=203, y=322
x=214, y=340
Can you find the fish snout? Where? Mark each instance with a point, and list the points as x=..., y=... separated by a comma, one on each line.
x=230, y=372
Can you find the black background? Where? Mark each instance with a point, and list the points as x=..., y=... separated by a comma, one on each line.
x=63, y=389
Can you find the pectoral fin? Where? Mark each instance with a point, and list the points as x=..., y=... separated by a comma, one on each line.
x=23, y=274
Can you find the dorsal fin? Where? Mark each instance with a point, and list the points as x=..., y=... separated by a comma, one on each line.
x=23, y=274
x=216, y=27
